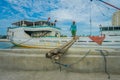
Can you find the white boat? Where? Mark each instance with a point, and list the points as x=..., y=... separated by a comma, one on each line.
x=43, y=34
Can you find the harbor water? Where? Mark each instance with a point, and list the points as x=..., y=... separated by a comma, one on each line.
x=5, y=45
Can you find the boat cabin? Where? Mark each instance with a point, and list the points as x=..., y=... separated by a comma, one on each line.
x=25, y=23
x=35, y=29
x=110, y=30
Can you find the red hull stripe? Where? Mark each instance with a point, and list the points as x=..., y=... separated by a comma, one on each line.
x=97, y=39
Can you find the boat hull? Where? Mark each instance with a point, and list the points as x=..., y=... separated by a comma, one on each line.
x=54, y=42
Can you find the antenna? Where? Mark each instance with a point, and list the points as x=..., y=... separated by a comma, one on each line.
x=90, y=19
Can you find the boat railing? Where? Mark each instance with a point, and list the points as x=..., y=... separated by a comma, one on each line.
x=34, y=27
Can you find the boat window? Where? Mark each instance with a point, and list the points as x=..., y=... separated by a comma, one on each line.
x=82, y=41
x=116, y=41
x=110, y=28
x=90, y=41
x=37, y=23
x=116, y=28
x=107, y=41
x=104, y=28
x=44, y=23
x=114, y=35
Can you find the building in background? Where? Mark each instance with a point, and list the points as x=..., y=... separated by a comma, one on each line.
x=114, y=29
x=116, y=19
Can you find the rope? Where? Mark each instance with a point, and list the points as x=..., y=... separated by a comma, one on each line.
x=60, y=66
x=100, y=10
x=80, y=59
x=105, y=61
x=104, y=5
x=70, y=65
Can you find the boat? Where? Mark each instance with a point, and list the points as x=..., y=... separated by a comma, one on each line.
x=44, y=34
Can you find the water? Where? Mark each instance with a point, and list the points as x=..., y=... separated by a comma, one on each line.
x=6, y=45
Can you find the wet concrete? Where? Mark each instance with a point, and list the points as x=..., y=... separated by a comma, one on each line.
x=54, y=75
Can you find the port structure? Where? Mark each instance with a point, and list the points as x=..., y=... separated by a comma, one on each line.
x=57, y=53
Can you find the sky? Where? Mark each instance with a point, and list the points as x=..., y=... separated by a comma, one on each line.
x=64, y=11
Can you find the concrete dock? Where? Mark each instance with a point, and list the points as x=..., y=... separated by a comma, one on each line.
x=34, y=59
x=29, y=64
x=53, y=75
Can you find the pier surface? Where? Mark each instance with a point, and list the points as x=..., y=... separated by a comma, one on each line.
x=53, y=75
x=34, y=59
x=29, y=64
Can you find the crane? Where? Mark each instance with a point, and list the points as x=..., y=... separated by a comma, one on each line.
x=108, y=4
